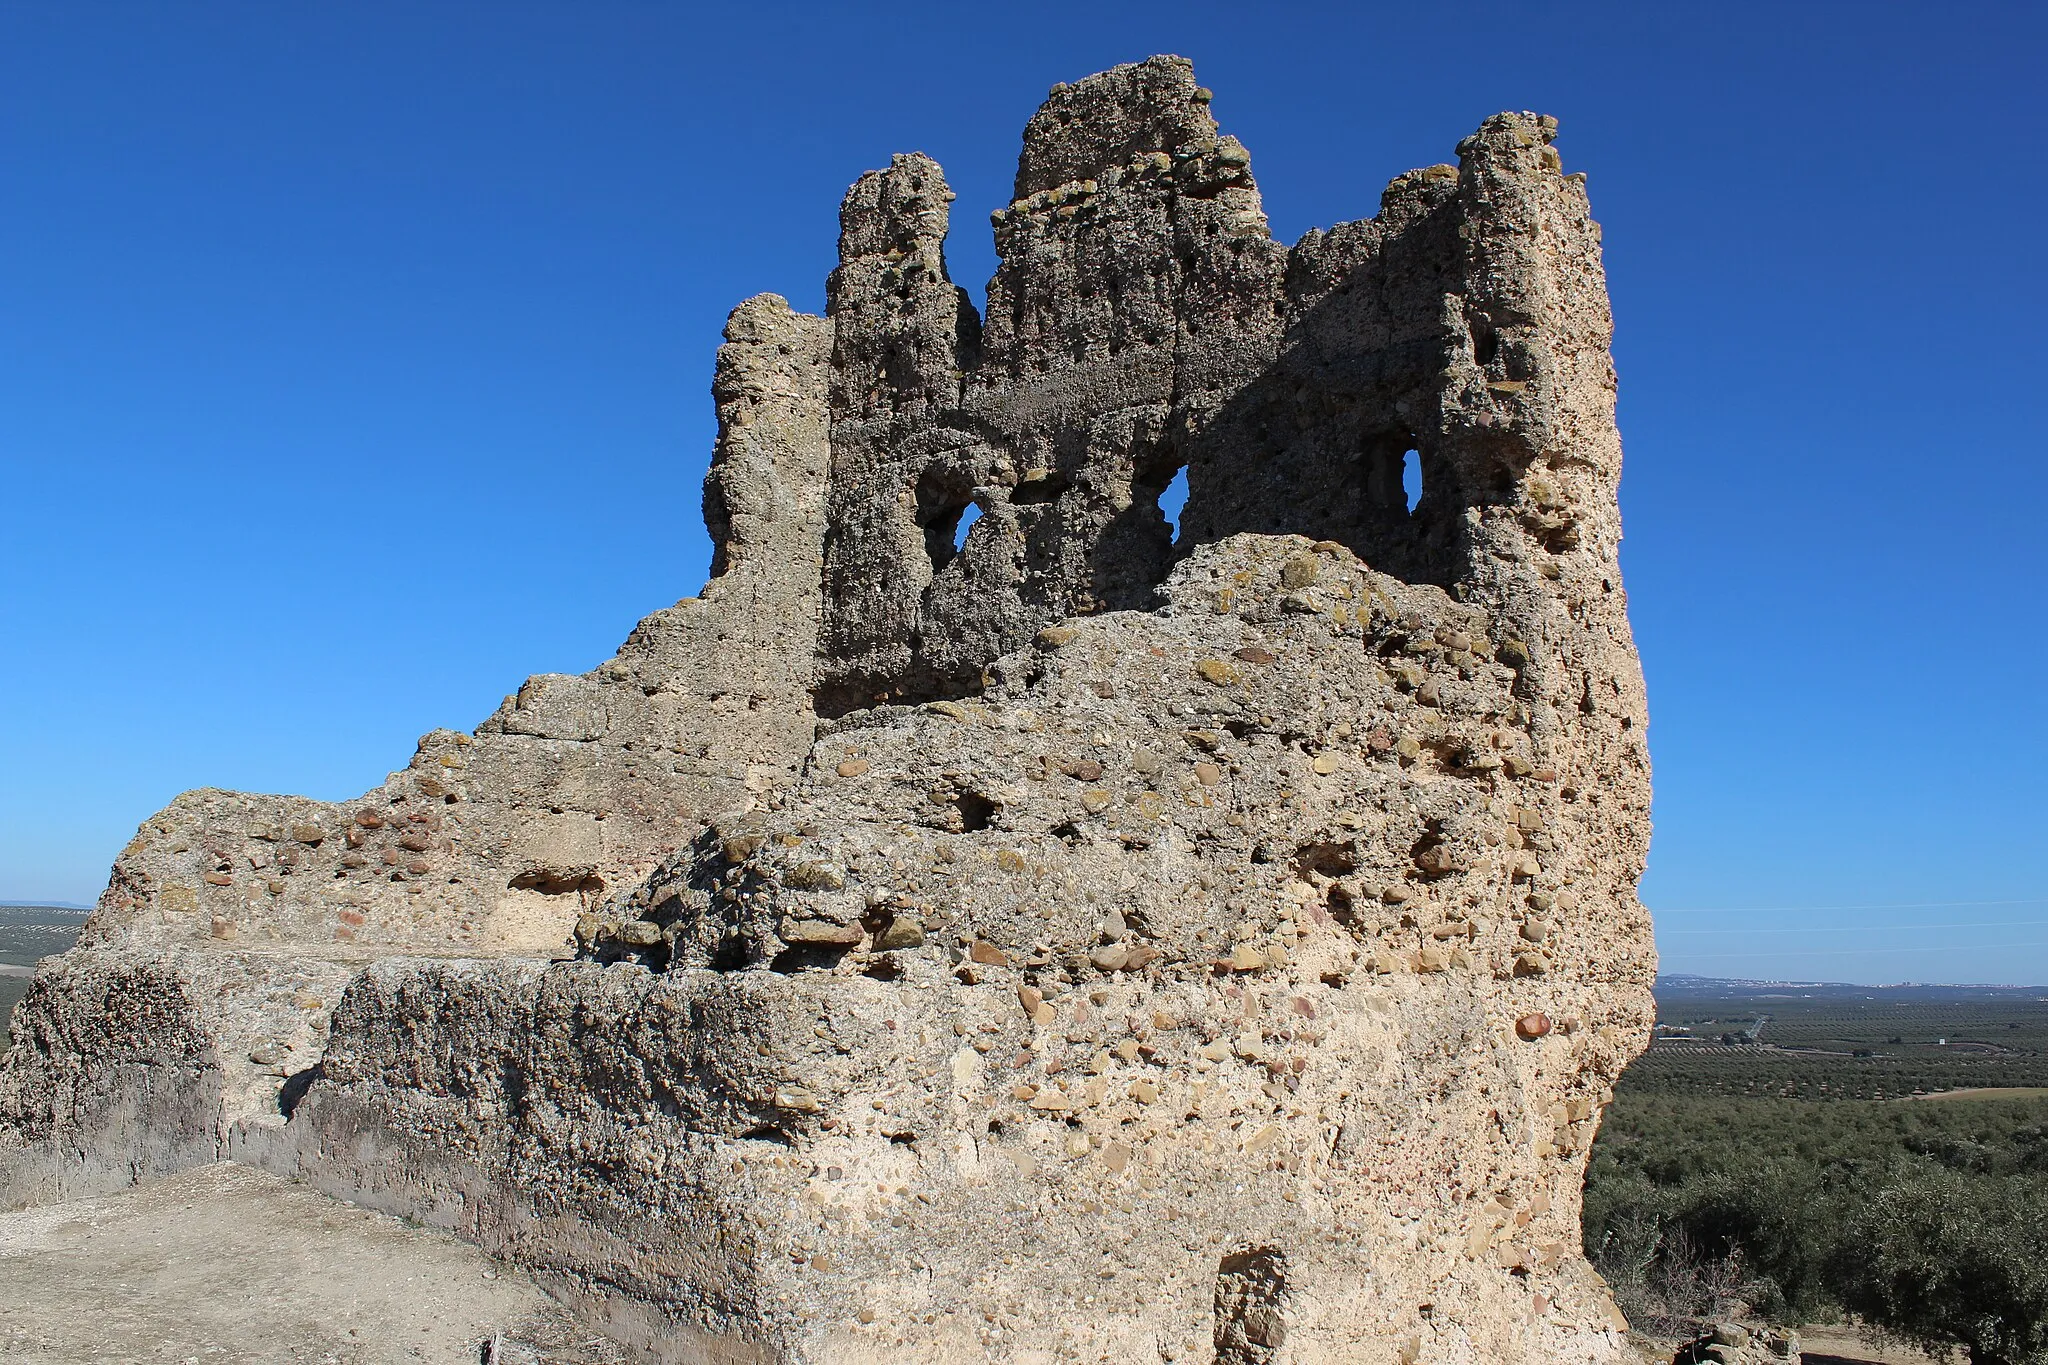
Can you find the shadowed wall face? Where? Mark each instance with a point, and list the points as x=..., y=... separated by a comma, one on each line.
x=1143, y=322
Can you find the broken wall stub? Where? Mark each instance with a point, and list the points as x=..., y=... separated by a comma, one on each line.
x=1136, y=281
x=577, y=784
x=240, y=918
x=1143, y=321
x=1231, y=969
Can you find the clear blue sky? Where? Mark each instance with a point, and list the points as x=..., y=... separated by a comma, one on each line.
x=354, y=364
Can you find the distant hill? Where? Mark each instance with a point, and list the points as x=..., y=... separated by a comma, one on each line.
x=1678, y=985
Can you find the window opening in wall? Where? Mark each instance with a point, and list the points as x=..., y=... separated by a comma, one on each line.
x=1390, y=463
x=1173, y=498
x=968, y=517
x=946, y=525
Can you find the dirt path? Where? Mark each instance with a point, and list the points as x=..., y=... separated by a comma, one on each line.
x=1842, y=1346
x=226, y=1265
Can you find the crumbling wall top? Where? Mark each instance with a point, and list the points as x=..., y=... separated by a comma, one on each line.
x=1108, y=119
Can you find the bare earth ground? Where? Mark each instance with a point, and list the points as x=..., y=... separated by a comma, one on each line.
x=1845, y=1346
x=225, y=1265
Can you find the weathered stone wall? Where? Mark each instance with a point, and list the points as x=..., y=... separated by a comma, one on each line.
x=1260, y=927
x=1085, y=944
x=1137, y=283
x=577, y=784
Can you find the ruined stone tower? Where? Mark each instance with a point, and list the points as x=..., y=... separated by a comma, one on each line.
x=1084, y=943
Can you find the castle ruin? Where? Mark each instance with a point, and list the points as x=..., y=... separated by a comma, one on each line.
x=1076, y=941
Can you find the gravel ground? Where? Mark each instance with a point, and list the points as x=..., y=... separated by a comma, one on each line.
x=225, y=1264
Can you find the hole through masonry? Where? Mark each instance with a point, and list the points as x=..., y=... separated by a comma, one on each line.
x=968, y=516
x=1485, y=344
x=1411, y=478
x=1173, y=498
x=557, y=881
x=947, y=511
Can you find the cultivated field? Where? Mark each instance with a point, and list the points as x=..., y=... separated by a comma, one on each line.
x=28, y=933
x=1815, y=1042
x=1812, y=1152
